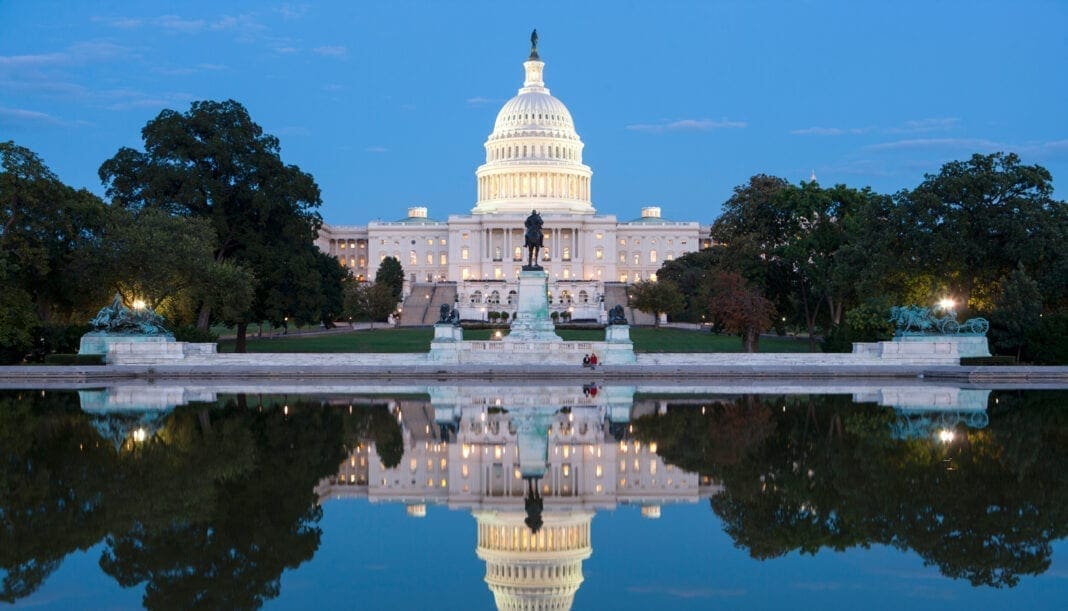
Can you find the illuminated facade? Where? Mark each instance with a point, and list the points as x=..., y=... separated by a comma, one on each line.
x=533, y=160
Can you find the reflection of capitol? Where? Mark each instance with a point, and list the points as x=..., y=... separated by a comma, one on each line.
x=489, y=453
x=532, y=463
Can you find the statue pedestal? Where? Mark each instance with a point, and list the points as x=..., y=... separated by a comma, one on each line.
x=532, y=322
x=967, y=345
x=619, y=350
x=448, y=332
x=97, y=342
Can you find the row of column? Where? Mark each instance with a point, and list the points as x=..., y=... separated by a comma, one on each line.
x=534, y=184
x=556, y=243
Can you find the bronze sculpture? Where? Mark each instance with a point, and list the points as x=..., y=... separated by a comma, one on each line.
x=533, y=240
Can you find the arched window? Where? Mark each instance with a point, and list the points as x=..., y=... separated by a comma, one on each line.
x=476, y=297
x=565, y=297
x=494, y=298
x=652, y=256
x=511, y=297
x=584, y=297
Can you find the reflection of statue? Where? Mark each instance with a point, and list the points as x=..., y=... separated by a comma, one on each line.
x=117, y=318
x=616, y=315
x=534, y=505
x=534, y=240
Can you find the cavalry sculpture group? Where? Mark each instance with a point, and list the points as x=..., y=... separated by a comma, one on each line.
x=916, y=320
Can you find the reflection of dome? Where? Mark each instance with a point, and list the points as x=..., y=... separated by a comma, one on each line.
x=534, y=155
x=541, y=571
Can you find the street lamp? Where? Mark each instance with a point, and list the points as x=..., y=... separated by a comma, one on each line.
x=946, y=303
x=139, y=304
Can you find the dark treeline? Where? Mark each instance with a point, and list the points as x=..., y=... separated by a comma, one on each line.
x=808, y=473
x=206, y=512
x=207, y=225
x=830, y=262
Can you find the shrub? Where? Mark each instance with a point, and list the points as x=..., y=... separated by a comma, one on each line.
x=74, y=359
x=189, y=333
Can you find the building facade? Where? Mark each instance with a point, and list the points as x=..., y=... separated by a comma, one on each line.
x=533, y=161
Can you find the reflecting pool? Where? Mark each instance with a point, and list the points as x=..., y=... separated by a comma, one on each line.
x=461, y=496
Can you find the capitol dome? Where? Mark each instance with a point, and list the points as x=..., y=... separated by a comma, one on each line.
x=534, y=155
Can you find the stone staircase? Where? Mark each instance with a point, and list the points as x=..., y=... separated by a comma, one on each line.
x=616, y=293
x=422, y=306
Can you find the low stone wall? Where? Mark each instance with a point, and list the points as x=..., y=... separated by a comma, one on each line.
x=155, y=353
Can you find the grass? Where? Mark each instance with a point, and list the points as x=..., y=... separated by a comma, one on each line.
x=646, y=339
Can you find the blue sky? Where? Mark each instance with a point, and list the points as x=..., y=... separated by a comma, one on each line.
x=388, y=104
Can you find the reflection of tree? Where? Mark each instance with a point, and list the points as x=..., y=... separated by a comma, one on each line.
x=209, y=511
x=827, y=473
x=259, y=520
x=375, y=423
x=51, y=492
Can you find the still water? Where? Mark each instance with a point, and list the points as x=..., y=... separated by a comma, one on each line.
x=872, y=495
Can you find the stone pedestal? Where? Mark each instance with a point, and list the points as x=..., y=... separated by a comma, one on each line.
x=532, y=322
x=967, y=345
x=448, y=332
x=97, y=342
x=619, y=350
x=446, y=345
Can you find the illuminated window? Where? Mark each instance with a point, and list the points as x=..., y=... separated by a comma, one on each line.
x=429, y=258
x=464, y=253
x=413, y=259
x=637, y=258
x=622, y=241
x=465, y=273
x=622, y=257
x=342, y=246
x=599, y=235
x=517, y=255
x=652, y=256
x=599, y=253
x=444, y=259
x=567, y=253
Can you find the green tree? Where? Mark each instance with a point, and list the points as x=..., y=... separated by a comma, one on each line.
x=740, y=308
x=184, y=272
x=1017, y=312
x=391, y=274
x=333, y=278
x=791, y=240
x=977, y=220
x=215, y=163
x=369, y=301
x=660, y=297
x=46, y=232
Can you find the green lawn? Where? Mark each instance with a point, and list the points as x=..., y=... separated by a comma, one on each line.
x=645, y=339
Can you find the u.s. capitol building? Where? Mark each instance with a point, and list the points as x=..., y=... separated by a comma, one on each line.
x=533, y=162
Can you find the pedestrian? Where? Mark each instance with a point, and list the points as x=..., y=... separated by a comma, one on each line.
x=586, y=361
x=593, y=361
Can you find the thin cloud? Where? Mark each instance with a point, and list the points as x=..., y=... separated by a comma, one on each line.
x=331, y=50
x=830, y=131
x=687, y=593
x=292, y=130
x=199, y=68
x=937, y=143
x=923, y=126
x=689, y=125
x=481, y=101
x=915, y=126
x=22, y=116
x=77, y=54
x=376, y=149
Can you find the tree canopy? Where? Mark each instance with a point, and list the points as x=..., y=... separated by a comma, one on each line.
x=214, y=163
